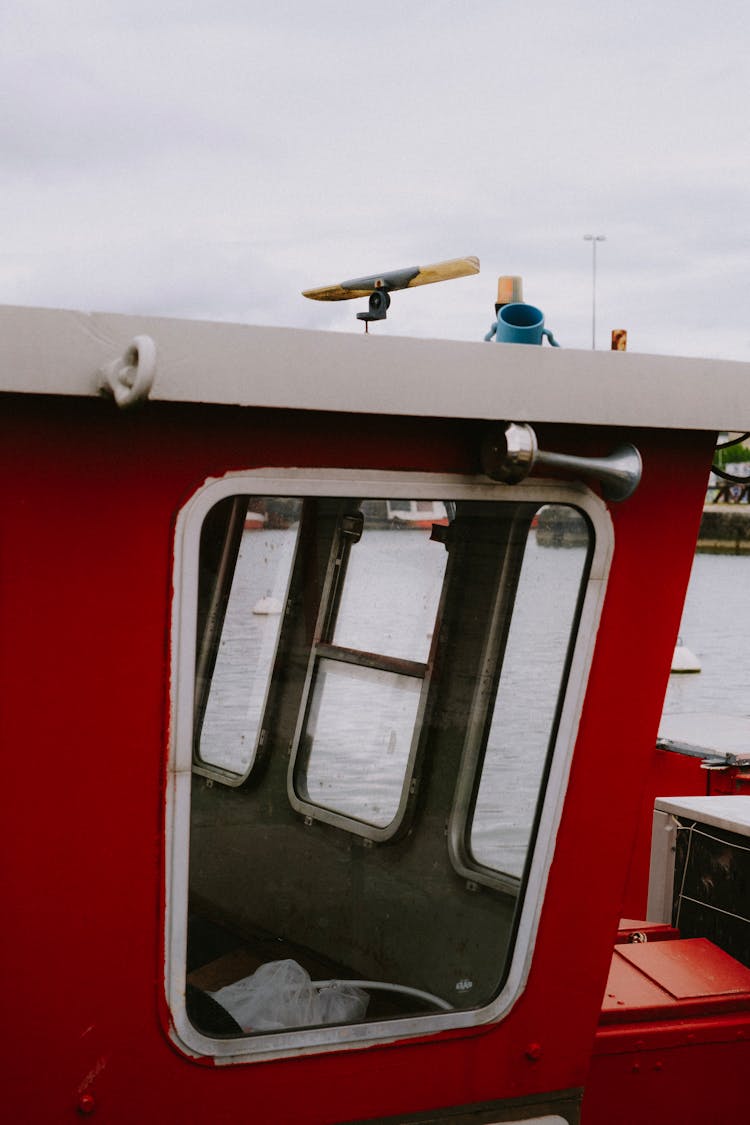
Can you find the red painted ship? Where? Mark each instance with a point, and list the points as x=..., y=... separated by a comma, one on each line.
x=367, y=858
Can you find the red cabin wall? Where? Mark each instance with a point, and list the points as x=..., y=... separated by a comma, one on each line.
x=91, y=496
x=690, y=1075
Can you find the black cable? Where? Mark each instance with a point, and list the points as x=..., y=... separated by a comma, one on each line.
x=734, y=441
x=731, y=476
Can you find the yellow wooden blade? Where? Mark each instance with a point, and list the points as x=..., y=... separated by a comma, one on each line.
x=445, y=271
x=395, y=279
x=335, y=293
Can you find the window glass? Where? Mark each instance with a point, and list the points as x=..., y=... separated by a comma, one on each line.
x=358, y=737
x=244, y=657
x=393, y=581
x=369, y=667
x=525, y=710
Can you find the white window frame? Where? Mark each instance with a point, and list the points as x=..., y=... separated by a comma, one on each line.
x=330, y=814
x=363, y=484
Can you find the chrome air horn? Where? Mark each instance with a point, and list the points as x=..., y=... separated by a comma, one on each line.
x=510, y=453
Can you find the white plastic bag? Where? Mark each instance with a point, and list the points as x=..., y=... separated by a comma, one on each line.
x=341, y=1002
x=280, y=994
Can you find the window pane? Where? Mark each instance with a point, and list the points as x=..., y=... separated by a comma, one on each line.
x=244, y=660
x=358, y=738
x=526, y=703
x=392, y=588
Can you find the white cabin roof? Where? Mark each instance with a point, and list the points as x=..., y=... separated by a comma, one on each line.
x=52, y=351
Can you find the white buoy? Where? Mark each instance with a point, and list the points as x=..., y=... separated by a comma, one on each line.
x=683, y=660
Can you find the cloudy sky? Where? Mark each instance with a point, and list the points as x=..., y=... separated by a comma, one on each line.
x=212, y=158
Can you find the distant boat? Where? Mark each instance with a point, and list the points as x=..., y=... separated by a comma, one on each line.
x=683, y=660
x=255, y=520
x=417, y=513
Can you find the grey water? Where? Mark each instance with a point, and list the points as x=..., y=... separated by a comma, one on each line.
x=716, y=628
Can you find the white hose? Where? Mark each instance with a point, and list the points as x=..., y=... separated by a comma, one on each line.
x=385, y=987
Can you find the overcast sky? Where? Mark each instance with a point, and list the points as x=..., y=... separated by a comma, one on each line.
x=211, y=159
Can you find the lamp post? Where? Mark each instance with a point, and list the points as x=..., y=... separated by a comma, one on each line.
x=593, y=239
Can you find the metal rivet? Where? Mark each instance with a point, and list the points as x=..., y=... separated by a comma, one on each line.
x=86, y=1104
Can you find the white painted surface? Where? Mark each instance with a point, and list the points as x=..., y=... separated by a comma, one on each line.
x=661, y=870
x=50, y=351
x=714, y=734
x=732, y=813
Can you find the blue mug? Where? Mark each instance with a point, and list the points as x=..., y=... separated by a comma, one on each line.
x=518, y=323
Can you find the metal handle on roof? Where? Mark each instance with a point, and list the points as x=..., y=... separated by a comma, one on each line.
x=130, y=378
